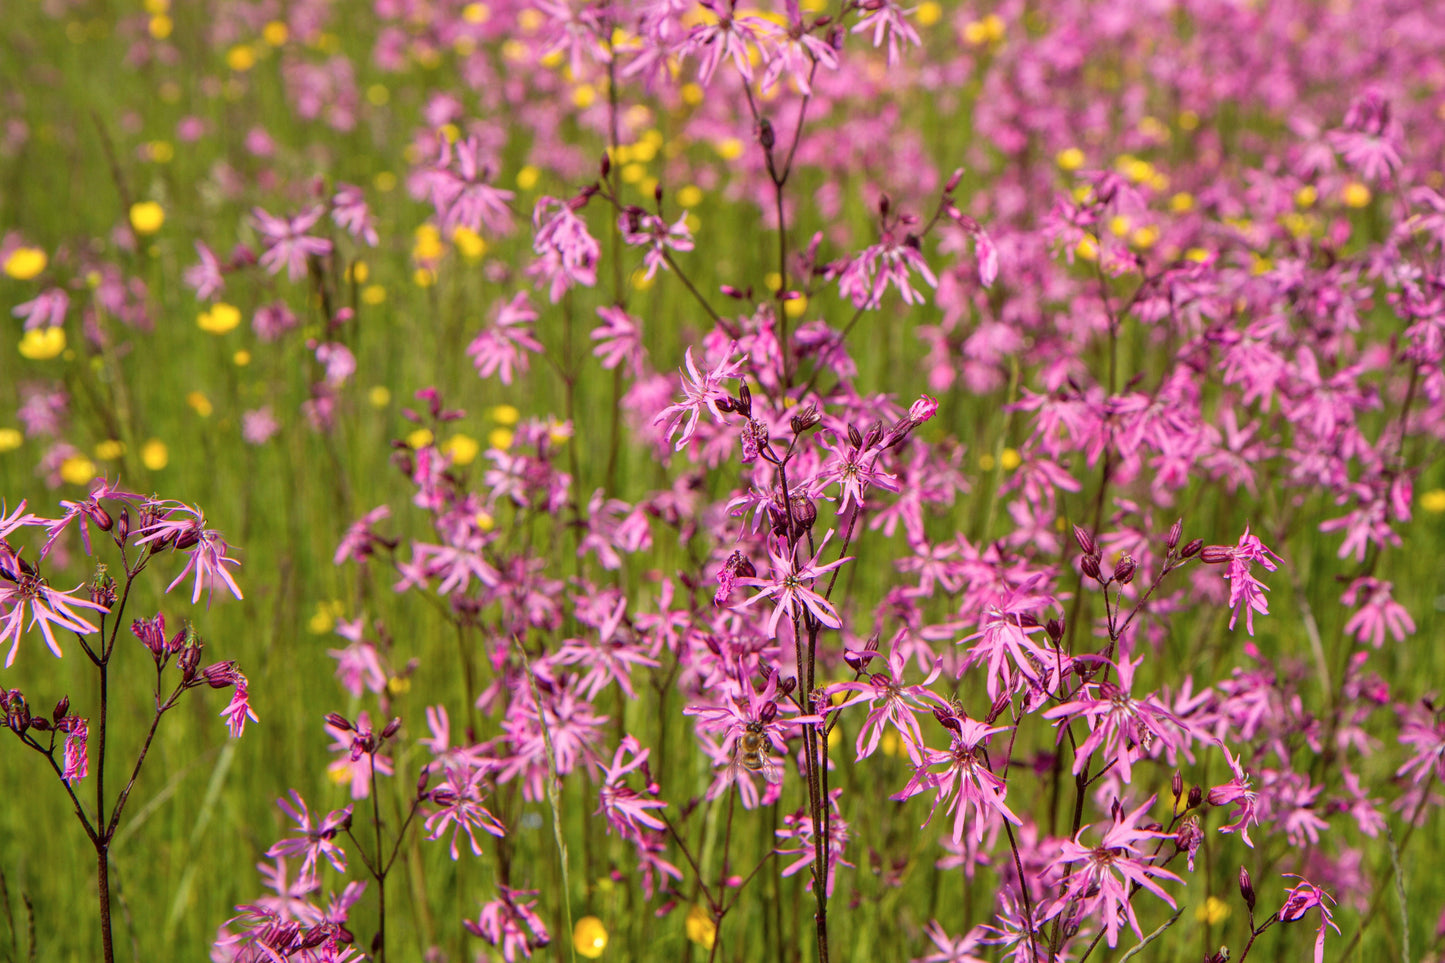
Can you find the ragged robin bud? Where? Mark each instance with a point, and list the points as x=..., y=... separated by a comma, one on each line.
x=1090, y=566
x=1124, y=571
x=1192, y=548
x=1246, y=888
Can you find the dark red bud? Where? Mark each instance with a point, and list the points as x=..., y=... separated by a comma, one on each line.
x=1176, y=785
x=1090, y=566
x=953, y=181
x=1086, y=541
x=1216, y=554
x=1246, y=888
x=768, y=712
x=1176, y=531
x=337, y=721
x=188, y=540
x=1124, y=571
x=391, y=729
x=1192, y=548
x=100, y=517
x=62, y=709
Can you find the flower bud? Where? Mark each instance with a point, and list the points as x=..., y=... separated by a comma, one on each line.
x=1215, y=554
x=1192, y=548
x=338, y=721
x=1054, y=628
x=62, y=709
x=188, y=540
x=1176, y=531
x=1176, y=785
x=391, y=729
x=1246, y=888
x=604, y=166
x=1090, y=566
x=768, y=712
x=805, y=419
x=1124, y=571
x=122, y=525
x=100, y=517
x=1086, y=541
x=786, y=687
x=953, y=181
x=854, y=438
x=745, y=401
x=188, y=660
x=1196, y=796
x=422, y=779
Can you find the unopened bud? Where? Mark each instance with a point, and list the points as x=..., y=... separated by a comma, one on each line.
x=805, y=419
x=745, y=567
x=1246, y=888
x=1196, y=796
x=100, y=517
x=1055, y=630
x=1216, y=554
x=1176, y=531
x=786, y=687
x=62, y=709
x=337, y=721
x=1176, y=785
x=188, y=540
x=768, y=712
x=188, y=660
x=1086, y=541
x=1090, y=566
x=745, y=400
x=391, y=729
x=122, y=525
x=1124, y=571
x=605, y=165
x=953, y=181
x=1192, y=548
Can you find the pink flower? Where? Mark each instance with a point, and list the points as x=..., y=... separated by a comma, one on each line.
x=314, y=840
x=239, y=710
x=1245, y=591
x=626, y=809
x=459, y=805
x=183, y=528
x=205, y=278
x=566, y=253
x=77, y=762
x=791, y=597
x=965, y=779
x=701, y=391
x=619, y=340
x=1237, y=793
x=1099, y=886
x=511, y=922
x=1125, y=727
x=287, y=243
x=1304, y=897
x=45, y=310
x=49, y=608
x=502, y=348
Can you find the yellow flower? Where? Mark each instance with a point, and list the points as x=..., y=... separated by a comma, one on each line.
x=795, y=307
x=500, y=438
x=358, y=271
x=1433, y=501
x=700, y=927
x=200, y=404
x=25, y=262
x=323, y=620
x=527, y=177
x=1009, y=459
x=1182, y=203
x=690, y=195
x=1087, y=249
x=10, y=439
x=1070, y=159
x=928, y=13
x=424, y=278
x=110, y=449
x=1213, y=911
x=154, y=455
x=505, y=415
x=241, y=58
x=379, y=396
x=469, y=242
x=220, y=319
x=275, y=33
x=42, y=344
x=589, y=937
x=373, y=294
x=241, y=358
x=160, y=26
x=729, y=148
x=420, y=438
x=476, y=13
x=77, y=470
x=462, y=448
x=1355, y=194
x=146, y=217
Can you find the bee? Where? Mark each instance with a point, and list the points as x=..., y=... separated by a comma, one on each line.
x=754, y=752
